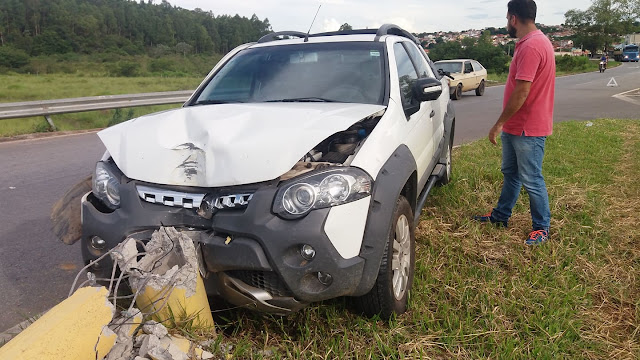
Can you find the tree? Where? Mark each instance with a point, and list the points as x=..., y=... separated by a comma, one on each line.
x=184, y=48
x=491, y=57
x=345, y=27
x=603, y=23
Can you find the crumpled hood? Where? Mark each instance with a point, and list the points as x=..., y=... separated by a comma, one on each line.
x=227, y=144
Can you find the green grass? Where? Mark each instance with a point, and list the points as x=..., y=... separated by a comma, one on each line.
x=16, y=88
x=479, y=292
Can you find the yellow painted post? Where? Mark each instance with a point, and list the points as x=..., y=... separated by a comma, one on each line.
x=75, y=329
x=177, y=303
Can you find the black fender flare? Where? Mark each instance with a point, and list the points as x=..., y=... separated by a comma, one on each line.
x=393, y=176
x=449, y=129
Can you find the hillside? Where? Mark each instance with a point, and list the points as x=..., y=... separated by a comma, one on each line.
x=46, y=27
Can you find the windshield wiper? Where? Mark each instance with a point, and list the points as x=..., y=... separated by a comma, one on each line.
x=304, y=99
x=211, y=102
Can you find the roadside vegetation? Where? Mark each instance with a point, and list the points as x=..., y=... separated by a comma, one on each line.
x=565, y=65
x=479, y=292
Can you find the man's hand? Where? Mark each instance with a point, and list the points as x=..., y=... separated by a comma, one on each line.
x=493, y=133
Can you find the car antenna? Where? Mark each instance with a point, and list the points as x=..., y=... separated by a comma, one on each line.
x=306, y=39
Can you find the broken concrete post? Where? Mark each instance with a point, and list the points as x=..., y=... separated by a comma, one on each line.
x=124, y=326
x=74, y=329
x=171, y=347
x=166, y=279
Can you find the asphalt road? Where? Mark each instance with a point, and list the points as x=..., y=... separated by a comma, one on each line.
x=36, y=269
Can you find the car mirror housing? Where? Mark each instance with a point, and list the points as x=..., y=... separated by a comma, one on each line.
x=427, y=89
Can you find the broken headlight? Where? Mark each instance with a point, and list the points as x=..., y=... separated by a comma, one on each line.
x=106, y=186
x=318, y=190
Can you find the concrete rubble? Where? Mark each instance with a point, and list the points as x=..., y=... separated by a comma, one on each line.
x=167, y=286
x=164, y=275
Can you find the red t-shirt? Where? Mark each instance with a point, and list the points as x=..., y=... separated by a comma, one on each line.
x=534, y=61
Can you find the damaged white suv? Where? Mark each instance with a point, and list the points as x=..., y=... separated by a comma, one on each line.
x=299, y=167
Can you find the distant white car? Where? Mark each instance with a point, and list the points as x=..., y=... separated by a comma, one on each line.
x=467, y=75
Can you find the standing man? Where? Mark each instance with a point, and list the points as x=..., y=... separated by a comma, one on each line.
x=526, y=121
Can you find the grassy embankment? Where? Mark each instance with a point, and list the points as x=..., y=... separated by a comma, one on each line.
x=16, y=88
x=73, y=75
x=479, y=292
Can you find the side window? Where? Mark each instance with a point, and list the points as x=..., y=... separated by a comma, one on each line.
x=407, y=74
x=467, y=67
x=418, y=60
x=476, y=66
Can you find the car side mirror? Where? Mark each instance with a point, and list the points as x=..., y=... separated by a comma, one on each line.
x=445, y=73
x=427, y=89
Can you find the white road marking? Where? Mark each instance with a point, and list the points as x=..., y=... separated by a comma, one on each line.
x=624, y=97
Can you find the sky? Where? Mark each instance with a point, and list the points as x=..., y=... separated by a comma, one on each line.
x=413, y=15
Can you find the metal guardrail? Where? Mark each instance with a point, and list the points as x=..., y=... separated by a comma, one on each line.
x=47, y=108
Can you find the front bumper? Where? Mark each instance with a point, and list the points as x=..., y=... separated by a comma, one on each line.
x=251, y=257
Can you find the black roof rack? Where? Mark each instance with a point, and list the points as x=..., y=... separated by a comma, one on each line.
x=391, y=29
x=274, y=36
x=386, y=29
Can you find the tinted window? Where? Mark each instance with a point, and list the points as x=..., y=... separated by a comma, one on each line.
x=341, y=72
x=407, y=74
x=418, y=59
x=467, y=67
x=476, y=66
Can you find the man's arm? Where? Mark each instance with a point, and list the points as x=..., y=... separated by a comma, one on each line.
x=518, y=97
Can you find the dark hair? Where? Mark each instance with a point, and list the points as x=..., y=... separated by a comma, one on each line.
x=523, y=9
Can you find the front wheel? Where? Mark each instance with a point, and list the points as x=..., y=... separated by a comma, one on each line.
x=457, y=93
x=390, y=293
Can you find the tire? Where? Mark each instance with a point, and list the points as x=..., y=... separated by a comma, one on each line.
x=390, y=293
x=480, y=88
x=447, y=160
x=457, y=93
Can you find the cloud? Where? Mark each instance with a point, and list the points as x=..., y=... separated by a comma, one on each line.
x=477, y=16
x=331, y=24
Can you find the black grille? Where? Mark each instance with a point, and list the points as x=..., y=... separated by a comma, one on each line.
x=265, y=280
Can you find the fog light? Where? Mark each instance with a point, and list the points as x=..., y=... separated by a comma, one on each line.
x=98, y=243
x=308, y=252
x=325, y=278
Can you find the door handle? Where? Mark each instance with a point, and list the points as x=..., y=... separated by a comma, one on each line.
x=433, y=113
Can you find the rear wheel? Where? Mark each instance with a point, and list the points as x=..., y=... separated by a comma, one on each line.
x=480, y=89
x=390, y=293
x=457, y=93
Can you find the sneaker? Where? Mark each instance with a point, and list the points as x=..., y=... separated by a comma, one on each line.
x=537, y=237
x=489, y=218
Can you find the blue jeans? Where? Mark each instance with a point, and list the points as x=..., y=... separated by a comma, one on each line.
x=522, y=166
